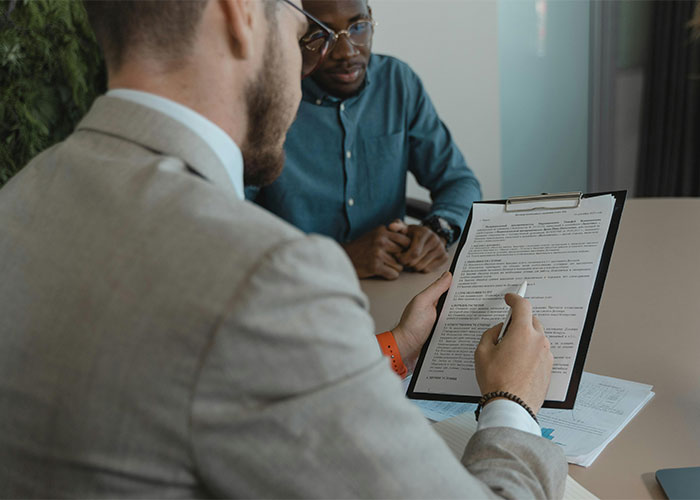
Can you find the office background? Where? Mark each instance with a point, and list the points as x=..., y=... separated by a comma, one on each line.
x=541, y=95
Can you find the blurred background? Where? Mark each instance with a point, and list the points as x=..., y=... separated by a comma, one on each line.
x=540, y=95
x=558, y=95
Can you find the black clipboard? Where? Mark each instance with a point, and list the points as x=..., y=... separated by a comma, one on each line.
x=510, y=204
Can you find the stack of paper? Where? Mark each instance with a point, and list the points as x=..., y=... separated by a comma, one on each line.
x=604, y=406
x=456, y=432
x=441, y=410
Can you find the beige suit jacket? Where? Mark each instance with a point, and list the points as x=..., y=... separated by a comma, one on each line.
x=161, y=338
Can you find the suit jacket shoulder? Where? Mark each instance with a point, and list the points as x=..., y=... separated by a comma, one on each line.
x=163, y=338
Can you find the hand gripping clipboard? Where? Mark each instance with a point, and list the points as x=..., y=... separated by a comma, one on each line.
x=543, y=202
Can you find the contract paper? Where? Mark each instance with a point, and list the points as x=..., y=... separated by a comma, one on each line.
x=557, y=251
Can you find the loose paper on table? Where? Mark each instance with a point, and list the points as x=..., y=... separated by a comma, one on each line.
x=604, y=406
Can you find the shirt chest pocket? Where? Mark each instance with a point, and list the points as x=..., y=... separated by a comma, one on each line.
x=382, y=165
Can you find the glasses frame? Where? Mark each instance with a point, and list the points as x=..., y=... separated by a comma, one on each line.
x=336, y=35
x=329, y=35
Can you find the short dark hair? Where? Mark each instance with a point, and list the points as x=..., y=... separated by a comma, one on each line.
x=162, y=27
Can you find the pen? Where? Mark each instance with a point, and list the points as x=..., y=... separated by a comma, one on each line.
x=506, y=323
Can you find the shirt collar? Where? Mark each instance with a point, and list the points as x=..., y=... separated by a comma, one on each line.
x=219, y=141
x=312, y=91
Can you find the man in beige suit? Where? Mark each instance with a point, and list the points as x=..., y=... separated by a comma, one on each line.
x=161, y=337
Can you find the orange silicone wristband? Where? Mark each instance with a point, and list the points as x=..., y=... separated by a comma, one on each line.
x=387, y=343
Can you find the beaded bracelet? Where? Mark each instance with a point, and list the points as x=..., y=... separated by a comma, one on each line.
x=502, y=394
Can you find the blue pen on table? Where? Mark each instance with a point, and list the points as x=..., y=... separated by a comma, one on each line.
x=506, y=323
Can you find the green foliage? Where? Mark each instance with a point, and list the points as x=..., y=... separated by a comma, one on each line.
x=51, y=70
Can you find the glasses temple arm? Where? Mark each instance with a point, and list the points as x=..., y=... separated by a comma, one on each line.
x=309, y=16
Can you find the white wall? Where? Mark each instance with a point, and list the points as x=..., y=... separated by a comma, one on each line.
x=453, y=46
x=544, y=69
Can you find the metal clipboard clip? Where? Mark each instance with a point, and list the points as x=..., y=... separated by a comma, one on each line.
x=568, y=201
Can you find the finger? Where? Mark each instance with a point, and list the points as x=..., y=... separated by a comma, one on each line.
x=424, y=264
x=416, y=251
x=540, y=329
x=399, y=238
x=435, y=290
x=522, y=310
x=389, y=260
x=430, y=244
x=432, y=260
x=490, y=336
x=387, y=272
x=390, y=247
x=537, y=325
x=398, y=226
x=440, y=261
x=434, y=255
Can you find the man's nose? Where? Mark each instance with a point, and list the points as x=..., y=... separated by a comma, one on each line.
x=344, y=49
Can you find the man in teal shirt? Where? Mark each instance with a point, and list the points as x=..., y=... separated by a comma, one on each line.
x=365, y=120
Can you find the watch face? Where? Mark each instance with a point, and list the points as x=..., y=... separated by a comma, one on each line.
x=444, y=225
x=441, y=227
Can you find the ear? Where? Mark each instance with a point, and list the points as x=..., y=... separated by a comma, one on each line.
x=240, y=19
x=370, y=11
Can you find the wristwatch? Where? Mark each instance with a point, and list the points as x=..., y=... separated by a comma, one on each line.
x=442, y=228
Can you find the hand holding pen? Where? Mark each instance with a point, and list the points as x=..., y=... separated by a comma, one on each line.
x=521, y=292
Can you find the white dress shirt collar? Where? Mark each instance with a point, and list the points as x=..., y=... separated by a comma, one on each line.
x=219, y=141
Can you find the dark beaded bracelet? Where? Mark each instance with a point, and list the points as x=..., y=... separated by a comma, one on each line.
x=502, y=394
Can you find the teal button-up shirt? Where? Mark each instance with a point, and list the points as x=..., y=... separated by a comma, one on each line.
x=346, y=160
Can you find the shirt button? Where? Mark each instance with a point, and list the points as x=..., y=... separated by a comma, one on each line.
x=318, y=101
x=348, y=154
x=351, y=201
x=342, y=107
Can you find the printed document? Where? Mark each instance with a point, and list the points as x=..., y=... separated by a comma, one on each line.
x=557, y=251
x=604, y=406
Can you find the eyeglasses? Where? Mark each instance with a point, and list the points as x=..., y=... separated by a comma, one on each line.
x=317, y=44
x=308, y=66
x=320, y=41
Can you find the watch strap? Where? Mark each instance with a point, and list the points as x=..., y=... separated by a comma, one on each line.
x=443, y=228
x=387, y=343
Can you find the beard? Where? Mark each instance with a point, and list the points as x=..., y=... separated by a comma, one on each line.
x=268, y=120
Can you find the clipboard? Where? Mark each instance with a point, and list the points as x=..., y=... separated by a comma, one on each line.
x=543, y=202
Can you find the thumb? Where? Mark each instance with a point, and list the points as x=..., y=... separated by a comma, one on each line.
x=398, y=226
x=522, y=310
x=437, y=288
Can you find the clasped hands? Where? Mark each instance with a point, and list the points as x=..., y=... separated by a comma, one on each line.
x=387, y=250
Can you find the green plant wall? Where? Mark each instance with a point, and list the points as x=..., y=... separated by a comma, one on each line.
x=51, y=70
